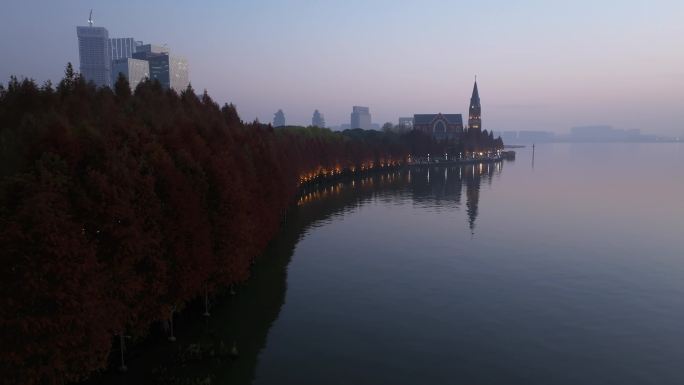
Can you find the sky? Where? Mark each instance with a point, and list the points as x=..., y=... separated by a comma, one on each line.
x=541, y=65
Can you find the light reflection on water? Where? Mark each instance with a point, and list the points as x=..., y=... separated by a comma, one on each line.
x=570, y=272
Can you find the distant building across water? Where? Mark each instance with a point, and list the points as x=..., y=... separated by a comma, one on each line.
x=317, y=120
x=361, y=118
x=279, y=119
x=603, y=133
x=581, y=134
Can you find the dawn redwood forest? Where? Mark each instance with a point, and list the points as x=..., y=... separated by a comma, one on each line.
x=119, y=208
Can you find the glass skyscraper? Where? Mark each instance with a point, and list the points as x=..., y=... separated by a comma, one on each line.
x=95, y=55
x=123, y=47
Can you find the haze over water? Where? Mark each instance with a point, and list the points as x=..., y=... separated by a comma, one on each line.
x=570, y=272
x=574, y=274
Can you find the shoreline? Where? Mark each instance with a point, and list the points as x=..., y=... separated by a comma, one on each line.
x=326, y=177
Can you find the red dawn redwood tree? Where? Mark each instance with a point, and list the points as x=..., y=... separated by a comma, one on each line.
x=55, y=322
x=116, y=207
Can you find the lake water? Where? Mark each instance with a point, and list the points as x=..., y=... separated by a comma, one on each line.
x=566, y=271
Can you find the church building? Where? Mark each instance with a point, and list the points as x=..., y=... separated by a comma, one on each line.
x=440, y=126
x=450, y=126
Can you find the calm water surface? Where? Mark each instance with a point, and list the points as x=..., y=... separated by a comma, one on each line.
x=568, y=271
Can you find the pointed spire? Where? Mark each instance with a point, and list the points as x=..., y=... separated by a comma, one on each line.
x=475, y=111
x=476, y=94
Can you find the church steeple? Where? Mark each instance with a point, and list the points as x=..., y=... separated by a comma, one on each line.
x=475, y=111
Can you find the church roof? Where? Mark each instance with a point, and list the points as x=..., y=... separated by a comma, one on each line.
x=419, y=119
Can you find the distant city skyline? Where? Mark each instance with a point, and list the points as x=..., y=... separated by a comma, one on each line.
x=549, y=66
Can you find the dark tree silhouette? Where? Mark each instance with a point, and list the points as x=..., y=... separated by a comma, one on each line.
x=117, y=207
x=122, y=88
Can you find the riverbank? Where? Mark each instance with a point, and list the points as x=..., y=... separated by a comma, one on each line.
x=242, y=316
x=203, y=349
x=427, y=161
x=327, y=176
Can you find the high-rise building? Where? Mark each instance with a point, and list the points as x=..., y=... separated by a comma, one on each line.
x=317, y=120
x=361, y=118
x=179, y=76
x=279, y=119
x=123, y=47
x=135, y=70
x=475, y=111
x=94, y=55
x=170, y=70
x=152, y=48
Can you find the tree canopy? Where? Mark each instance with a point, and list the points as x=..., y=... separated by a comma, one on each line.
x=116, y=207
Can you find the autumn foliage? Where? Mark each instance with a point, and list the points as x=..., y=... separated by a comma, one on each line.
x=117, y=207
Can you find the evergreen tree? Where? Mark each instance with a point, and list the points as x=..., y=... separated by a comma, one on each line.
x=122, y=88
x=70, y=77
x=230, y=115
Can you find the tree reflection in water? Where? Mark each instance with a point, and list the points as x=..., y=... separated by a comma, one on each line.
x=203, y=353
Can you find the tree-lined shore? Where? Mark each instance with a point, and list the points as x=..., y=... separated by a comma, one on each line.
x=117, y=208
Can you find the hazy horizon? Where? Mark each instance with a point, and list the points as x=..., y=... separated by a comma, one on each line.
x=540, y=66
